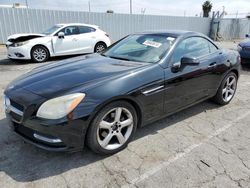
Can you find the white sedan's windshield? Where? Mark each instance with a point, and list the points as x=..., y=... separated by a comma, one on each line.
x=51, y=30
x=148, y=48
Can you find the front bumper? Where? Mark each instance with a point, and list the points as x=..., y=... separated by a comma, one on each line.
x=67, y=136
x=21, y=52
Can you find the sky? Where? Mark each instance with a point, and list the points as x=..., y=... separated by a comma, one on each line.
x=155, y=7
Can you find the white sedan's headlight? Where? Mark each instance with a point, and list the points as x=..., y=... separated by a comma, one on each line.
x=20, y=43
x=59, y=107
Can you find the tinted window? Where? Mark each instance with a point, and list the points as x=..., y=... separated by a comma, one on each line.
x=85, y=29
x=71, y=30
x=191, y=47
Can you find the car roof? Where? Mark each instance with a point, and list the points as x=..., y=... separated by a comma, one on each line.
x=172, y=33
x=78, y=24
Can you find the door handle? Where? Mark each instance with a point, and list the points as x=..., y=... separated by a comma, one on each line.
x=74, y=39
x=211, y=65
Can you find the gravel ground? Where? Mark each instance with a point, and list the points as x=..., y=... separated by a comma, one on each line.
x=203, y=146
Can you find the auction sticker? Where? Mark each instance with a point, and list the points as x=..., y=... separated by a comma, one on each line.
x=152, y=44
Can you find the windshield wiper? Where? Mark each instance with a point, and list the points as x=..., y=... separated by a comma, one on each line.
x=120, y=58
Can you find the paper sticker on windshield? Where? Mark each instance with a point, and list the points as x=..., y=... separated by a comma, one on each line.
x=171, y=38
x=152, y=44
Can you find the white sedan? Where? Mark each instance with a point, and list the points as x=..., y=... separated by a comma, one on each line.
x=61, y=39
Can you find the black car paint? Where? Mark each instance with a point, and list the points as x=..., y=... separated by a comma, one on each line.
x=154, y=89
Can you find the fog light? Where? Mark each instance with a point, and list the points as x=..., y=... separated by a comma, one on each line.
x=45, y=139
x=19, y=55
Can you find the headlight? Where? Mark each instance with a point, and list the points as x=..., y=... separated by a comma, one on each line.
x=20, y=44
x=59, y=107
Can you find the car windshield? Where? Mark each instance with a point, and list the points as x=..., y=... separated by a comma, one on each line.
x=149, y=48
x=51, y=30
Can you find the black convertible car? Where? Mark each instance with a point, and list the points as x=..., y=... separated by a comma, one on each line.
x=100, y=100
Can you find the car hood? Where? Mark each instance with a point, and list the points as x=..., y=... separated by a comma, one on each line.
x=24, y=37
x=89, y=71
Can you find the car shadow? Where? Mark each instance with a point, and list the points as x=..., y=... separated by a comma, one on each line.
x=25, y=62
x=25, y=163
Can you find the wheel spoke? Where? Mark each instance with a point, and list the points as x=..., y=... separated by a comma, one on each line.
x=121, y=138
x=231, y=91
x=105, y=125
x=224, y=90
x=226, y=95
x=126, y=123
x=118, y=113
x=106, y=140
x=231, y=82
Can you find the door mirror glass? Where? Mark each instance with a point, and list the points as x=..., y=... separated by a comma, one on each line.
x=189, y=61
x=61, y=35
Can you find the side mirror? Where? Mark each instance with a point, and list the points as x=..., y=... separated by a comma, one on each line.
x=61, y=35
x=247, y=36
x=189, y=61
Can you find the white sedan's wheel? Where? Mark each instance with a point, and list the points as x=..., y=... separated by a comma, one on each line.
x=100, y=47
x=39, y=54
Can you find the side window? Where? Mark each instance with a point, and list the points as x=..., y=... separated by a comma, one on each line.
x=191, y=47
x=212, y=47
x=85, y=29
x=70, y=30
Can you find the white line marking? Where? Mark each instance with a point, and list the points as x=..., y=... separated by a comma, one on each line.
x=185, y=152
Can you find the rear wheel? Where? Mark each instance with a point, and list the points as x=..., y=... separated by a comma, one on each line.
x=227, y=89
x=100, y=47
x=39, y=54
x=112, y=128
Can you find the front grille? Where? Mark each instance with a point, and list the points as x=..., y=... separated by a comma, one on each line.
x=14, y=109
x=15, y=117
x=16, y=105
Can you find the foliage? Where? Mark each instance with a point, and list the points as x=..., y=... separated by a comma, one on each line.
x=206, y=7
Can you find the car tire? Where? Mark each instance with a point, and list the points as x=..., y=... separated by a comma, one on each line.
x=110, y=132
x=227, y=89
x=100, y=47
x=39, y=54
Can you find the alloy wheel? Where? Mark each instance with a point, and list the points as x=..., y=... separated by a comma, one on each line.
x=229, y=88
x=39, y=54
x=115, y=128
x=100, y=48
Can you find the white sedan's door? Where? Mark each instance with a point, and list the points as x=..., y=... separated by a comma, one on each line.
x=87, y=39
x=69, y=44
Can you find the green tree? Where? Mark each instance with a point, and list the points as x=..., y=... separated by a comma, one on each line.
x=206, y=7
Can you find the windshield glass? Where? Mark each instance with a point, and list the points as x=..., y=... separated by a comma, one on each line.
x=51, y=30
x=148, y=48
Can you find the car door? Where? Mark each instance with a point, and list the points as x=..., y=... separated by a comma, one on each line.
x=86, y=39
x=189, y=84
x=68, y=44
